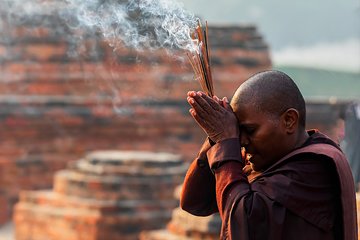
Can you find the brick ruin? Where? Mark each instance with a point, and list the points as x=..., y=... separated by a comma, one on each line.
x=184, y=226
x=56, y=107
x=106, y=195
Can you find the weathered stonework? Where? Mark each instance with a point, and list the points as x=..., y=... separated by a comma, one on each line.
x=55, y=108
x=107, y=195
x=184, y=226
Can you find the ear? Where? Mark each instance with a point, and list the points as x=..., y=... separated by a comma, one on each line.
x=290, y=120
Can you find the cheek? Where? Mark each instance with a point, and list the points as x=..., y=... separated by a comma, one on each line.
x=262, y=142
x=267, y=145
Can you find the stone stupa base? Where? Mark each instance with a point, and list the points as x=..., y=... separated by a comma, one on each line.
x=106, y=196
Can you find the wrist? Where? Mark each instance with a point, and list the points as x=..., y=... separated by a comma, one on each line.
x=226, y=150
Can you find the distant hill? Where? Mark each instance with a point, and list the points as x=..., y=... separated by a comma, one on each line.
x=324, y=84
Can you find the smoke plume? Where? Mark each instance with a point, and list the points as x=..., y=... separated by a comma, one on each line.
x=138, y=24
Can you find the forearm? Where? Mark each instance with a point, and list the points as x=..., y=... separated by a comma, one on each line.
x=198, y=192
x=231, y=182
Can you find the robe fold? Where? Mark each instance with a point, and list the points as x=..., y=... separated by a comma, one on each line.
x=308, y=194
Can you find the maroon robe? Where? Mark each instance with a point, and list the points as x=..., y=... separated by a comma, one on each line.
x=308, y=194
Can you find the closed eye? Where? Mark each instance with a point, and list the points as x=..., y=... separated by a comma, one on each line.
x=249, y=130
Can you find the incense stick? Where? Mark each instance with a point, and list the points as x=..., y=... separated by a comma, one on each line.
x=200, y=60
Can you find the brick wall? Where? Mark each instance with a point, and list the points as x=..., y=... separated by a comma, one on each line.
x=60, y=98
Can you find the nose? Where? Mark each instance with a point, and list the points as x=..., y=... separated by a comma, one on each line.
x=244, y=140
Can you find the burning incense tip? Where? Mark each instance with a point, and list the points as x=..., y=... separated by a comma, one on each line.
x=200, y=59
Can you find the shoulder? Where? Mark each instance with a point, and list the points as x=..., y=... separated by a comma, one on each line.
x=309, y=167
x=321, y=154
x=311, y=158
x=317, y=151
x=303, y=167
x=320, y=144
x=305, y=184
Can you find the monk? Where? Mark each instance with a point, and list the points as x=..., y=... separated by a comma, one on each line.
x=263, y=172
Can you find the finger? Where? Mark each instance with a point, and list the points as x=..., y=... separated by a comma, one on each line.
x=200, y=121
x=205, y=119
x=190, y=100
x=199, y=109
x=191, y=94
x=221, y=103
x=200, y=101
x=214, y=104
x=218, y=100
x=226, y=104
x=192, y=112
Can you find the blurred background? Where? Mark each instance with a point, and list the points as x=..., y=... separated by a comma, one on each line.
x=95, y=135
x=317, y=42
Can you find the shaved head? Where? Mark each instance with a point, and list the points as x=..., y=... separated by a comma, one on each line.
x=271, y=92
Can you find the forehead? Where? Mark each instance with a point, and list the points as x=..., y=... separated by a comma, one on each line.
x=250, y=114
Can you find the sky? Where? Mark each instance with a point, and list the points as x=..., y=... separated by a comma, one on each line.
x=317, y=33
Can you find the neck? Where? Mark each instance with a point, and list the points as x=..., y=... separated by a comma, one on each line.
x=301, y=138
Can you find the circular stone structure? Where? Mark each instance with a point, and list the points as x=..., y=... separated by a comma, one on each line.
x=184, y=226
x=106, y=195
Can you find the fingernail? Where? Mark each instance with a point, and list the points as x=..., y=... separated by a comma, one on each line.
x=226, y=100
x=199, y=93
x=216, y=98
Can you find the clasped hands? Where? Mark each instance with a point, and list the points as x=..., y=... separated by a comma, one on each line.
x=213, y=115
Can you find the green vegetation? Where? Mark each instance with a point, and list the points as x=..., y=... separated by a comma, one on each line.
x=324, y=84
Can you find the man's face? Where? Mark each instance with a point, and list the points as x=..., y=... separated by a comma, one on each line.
x=262, y=136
